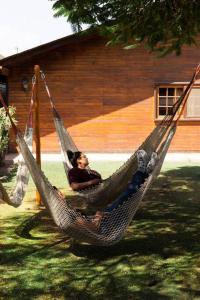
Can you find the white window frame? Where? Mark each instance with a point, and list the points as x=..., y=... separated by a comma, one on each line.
x=157, y=106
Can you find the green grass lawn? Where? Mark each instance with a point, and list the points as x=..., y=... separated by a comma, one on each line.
x=159, y=257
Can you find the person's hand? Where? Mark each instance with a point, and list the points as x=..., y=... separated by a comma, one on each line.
x=95, y=181
x=97, y=218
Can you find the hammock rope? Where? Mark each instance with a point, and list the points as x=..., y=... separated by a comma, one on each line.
x=22, y=177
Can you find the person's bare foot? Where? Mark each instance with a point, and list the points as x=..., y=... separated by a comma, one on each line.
x=83, y=222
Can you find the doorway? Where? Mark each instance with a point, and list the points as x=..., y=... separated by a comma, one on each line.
x=4, y=88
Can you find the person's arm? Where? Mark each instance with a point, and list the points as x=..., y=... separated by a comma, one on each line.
x=95, y=173
x=83, y=185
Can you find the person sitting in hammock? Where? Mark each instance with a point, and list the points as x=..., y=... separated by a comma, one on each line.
x=143, y=171
x=80, y=177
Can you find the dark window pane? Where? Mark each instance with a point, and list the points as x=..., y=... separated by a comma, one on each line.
x=170, y=101
x=162, y=111
x=162, y=101
x=179, y=92
x=171, y=91
x=170, y=110
x=162, y=91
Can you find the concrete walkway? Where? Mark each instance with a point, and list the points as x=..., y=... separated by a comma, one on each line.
x=182, y=157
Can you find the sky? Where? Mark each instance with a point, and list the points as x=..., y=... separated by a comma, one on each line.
x=25, y=24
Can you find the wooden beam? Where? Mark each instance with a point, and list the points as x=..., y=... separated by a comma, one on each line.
x=37, y=123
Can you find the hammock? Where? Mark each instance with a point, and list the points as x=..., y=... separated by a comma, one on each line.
x=104, y=193
x=22, y=177
x=113, y=224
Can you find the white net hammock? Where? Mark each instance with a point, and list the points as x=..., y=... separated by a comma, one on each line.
x=16, y=196
x=112, y=225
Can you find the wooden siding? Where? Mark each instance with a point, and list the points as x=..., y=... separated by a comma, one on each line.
x=105, y=95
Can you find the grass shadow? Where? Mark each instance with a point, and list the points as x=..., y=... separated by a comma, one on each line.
x=158, y=258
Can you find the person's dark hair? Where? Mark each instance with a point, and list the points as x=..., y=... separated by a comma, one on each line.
x=73, y=156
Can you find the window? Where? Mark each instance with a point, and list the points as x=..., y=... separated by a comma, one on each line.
x=166, y=97
x=193, y=104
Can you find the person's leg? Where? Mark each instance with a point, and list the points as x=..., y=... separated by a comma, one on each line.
x=151, y=164
x=134, y=185
x=137, y=180
x=142, y=160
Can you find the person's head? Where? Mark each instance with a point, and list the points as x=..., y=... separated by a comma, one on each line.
x=78, y=159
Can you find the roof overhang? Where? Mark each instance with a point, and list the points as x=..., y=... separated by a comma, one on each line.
x=29, y=54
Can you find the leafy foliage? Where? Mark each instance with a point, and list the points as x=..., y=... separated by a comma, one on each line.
x=163, y=26
x=4, y=127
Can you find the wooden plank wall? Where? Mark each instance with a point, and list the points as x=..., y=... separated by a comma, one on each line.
x=105, y=95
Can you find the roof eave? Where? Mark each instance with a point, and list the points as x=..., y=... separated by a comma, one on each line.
x=27, y=54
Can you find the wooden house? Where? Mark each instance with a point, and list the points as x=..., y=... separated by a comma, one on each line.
x=109, y=98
